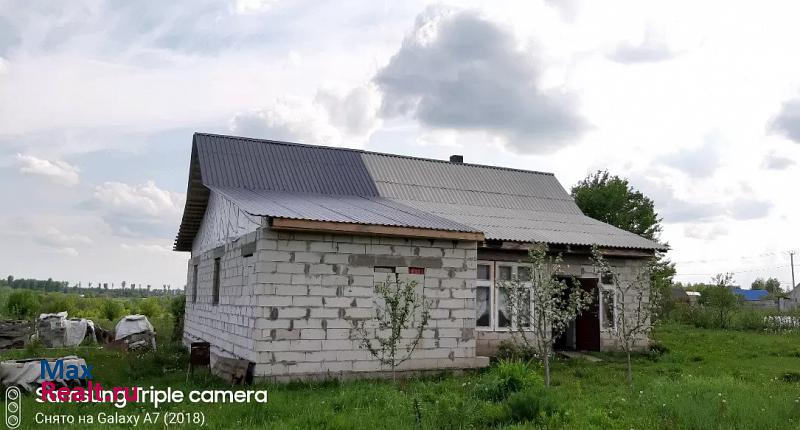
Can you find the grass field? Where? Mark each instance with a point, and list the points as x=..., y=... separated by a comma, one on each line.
x=705, y=379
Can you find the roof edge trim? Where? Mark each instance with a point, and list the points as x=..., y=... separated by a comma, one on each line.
x=290, y=224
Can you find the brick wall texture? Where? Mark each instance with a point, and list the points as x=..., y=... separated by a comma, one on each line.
x=288, y=301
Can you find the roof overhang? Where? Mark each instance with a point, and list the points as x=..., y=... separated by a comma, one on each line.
x=290, y=224
x=195, y=208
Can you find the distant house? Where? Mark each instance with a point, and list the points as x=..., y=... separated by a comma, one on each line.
x=681, y=295
x=751, y=295
x=794, y=297
x=761, y=299
x=287, y=242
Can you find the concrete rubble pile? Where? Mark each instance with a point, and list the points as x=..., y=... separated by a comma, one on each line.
x=135, y=332
x=15, y=334
x=27, y=373
x=57, y=331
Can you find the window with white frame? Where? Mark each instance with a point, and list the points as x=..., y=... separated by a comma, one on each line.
x=491, y=305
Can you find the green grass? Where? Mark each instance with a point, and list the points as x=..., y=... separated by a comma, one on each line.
x=708, y=379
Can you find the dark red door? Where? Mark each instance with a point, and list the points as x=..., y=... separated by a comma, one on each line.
x=587, y=325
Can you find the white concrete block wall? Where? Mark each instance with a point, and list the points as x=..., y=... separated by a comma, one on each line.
x=229, y=325
x=294, y=311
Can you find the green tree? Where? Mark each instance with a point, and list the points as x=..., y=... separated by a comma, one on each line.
x=758, y=284
x=720, y=298
x=773, y=286
x=613, y=200
x=543, y=305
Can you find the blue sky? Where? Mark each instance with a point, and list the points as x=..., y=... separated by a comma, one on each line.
x=698, y=104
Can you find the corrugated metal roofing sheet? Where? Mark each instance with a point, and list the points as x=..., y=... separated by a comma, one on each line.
x=326, y=207
x=290, y=180
x=267, y=165
x=396, y=174
x=536, y=226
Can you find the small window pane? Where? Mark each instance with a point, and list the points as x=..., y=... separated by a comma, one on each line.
x=482, y=311
x=484, y=272
x=503, y=316
x=524, y=318
x=607, y=278
x=384, y=269
x=504, y=273
x=524, y=274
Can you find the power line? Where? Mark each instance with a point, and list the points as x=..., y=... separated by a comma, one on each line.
x=750, y=270
x=746, y=257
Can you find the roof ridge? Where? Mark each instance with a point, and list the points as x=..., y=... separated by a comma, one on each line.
x=363, y=151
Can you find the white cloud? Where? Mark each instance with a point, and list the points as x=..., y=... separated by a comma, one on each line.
x=147, y=248
x=134, y=210
x=705, y=231
x=69, y=252
x=353, y=111
x=462, y=71
x=333, y=118
x=244, y=7
x=652, y=48
x=59, y=172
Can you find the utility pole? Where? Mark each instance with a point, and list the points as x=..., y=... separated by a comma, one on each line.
x=791, y=263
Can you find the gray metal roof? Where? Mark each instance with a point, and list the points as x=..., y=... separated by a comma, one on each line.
x=524, y=225
x=280, y=179
x=269, y=165
x=336, y=208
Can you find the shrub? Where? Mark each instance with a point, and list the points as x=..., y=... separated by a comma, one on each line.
x=505, y=378
x=509, y=350
x=110, y=309
x=749, y=320
x=57, y=302
x=178, y=309
x=150, y=307
x=533, y=405
x=23, y=304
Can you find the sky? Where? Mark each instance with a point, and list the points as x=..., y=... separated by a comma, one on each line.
x=697, y=103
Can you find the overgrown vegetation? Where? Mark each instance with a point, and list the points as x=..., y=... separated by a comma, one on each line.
x=697, y=379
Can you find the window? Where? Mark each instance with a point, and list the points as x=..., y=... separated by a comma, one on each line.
x=503, y=315
x=483, y=296
x=216, y=282
x=416, y=270
x=194, y=284
x=492, y=301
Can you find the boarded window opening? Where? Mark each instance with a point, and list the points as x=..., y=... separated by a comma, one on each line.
x=416, y=270
x=194, y=284
x=215, y=299
x=383, y=269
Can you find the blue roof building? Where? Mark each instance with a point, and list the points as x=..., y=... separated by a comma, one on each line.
x=751, y=295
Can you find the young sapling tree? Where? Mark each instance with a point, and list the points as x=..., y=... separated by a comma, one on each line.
x=542, y=304
x=634, y=302
x=398, y=309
